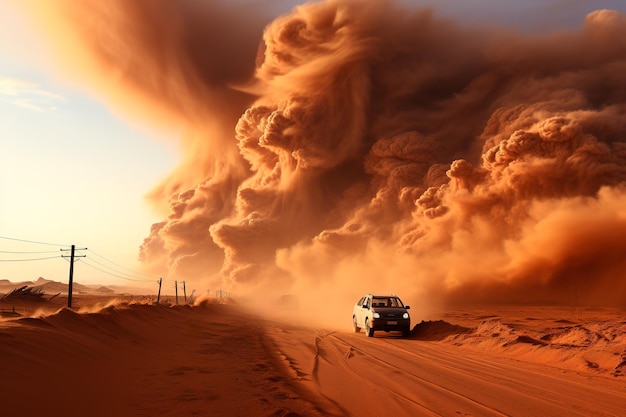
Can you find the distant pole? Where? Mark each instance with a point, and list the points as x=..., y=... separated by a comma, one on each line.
x=185, y=291
x=176, y=286
x=71, y=280
x=159, y=294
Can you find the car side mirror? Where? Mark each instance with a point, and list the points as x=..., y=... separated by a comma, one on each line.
x=408, y=307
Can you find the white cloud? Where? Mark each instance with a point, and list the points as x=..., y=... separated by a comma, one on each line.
x=28, y=95
x=13, y=86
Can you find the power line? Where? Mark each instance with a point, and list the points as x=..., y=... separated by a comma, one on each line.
x=28, y=252
x=132, y=276
x=31, y=259
x=32, y=241
x=111, y=273
x=116, y=271
x=122, y=267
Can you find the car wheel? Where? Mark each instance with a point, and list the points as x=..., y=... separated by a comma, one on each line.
x=368, y=330
x=355, y=327
x=406, y=332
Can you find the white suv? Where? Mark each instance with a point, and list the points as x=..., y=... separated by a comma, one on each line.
x=381, y=312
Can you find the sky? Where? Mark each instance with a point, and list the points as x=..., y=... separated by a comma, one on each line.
x=72, y=171
x=76, y=167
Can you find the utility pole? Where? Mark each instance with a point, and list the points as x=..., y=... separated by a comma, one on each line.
x=159, y=294
x=71, y=282
x=185, y=292
x=176, y=286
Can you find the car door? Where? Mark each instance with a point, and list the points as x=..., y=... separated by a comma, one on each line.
x=365, y=308
x=358, y=313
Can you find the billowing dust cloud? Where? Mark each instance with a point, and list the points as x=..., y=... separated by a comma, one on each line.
x=361, y=146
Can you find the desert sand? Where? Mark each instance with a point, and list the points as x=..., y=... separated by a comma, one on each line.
x=127, y=356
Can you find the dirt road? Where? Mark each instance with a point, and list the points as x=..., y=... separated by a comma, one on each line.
x=387, y=375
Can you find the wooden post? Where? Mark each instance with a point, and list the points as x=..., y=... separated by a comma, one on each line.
x=185, y=291
x=176, y=286
x=71, y=280
x=71, y=283
x=159, y=294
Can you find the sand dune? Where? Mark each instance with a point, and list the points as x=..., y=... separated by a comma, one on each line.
x=134, y=360
x=108, y=357
x=582, y=339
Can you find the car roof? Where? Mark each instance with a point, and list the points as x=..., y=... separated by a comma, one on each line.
x=380, y=295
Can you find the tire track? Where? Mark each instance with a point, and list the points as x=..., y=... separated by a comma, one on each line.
x=509, y=375
x=444, y=391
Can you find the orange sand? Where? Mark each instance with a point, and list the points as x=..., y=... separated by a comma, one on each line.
x=133, y=358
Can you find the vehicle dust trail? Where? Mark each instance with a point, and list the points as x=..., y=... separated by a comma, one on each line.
x=388, y=375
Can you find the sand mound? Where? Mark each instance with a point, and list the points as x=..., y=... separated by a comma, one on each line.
x=595, y=346
x=436, y=330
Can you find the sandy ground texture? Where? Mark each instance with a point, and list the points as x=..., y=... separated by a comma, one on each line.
x=127, y=357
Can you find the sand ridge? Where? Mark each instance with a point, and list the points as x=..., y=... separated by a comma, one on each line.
x=140, y=359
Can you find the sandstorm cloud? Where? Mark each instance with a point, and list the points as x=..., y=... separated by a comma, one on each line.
x=362, y=145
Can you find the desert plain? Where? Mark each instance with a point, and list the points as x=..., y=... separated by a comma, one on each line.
x=123, y=355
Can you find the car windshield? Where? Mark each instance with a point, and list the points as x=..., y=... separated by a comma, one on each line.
x=387, y=302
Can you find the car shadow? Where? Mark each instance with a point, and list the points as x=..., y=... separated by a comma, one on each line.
x=436, y=330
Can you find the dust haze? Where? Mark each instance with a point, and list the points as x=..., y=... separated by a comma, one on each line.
x=356, y=146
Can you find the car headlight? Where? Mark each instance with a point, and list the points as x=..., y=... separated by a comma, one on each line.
x=405, y=316
x=376, y=315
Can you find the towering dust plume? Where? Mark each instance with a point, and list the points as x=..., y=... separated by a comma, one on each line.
x=358, y=145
